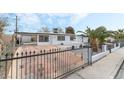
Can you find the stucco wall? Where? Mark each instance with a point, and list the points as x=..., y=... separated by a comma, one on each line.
x=99, y=56
x=85, y=39
x=26, y=39
x=54, y=40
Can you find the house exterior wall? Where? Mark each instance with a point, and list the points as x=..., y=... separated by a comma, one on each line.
x=42, y=43
x=85, y=39
x=111, y=39
x=79, y=38
x=56, y=42
x=26, y=39
x=53, y=39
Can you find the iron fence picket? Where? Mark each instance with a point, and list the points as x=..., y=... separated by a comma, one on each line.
x=6, y=64
x=30, y=66
x=11, y=66
x=17, y=66
x=37, y=67
x=34, y=65
x=26, y=66
x=46, y=64
x=41, y=65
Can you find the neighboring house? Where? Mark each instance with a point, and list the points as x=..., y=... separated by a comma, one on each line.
x=40, y=38
x=110, y=39
x=84, y=39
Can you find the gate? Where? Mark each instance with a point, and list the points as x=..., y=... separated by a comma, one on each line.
x=45, y=64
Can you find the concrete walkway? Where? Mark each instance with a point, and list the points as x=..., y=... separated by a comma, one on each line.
x=105, y=68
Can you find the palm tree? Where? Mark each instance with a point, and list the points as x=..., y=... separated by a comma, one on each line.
x=118, y=35
x=92, y=35
x=96, y=37
x=102, y=35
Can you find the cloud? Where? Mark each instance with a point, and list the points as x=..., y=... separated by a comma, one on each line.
x=35, y=21
x=29, y=19
x=76, y=18
x=63, y=18
x=61, y=15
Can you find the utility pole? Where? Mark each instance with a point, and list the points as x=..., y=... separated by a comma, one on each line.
x=16, y=24
x=16, y=30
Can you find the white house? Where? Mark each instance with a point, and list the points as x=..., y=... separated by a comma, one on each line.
x=43, y=38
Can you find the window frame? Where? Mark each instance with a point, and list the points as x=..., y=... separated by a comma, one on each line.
x=71, y=38
x=43, y=39
x=60, y=38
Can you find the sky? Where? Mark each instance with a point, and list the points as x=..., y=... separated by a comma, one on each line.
x=33, y=22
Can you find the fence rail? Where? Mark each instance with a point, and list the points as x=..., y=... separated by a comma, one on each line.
x=46, y=64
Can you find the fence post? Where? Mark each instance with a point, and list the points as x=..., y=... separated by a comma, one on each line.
x=6, y=68
x=89, y=55
x=114, y=45
x=119, y=45
x=104, y=48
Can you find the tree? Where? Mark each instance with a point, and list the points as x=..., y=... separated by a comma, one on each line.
x=3, y=24
x=118, y=35
x=102, y=34
x=96, y=36
x=70, y=30
x=44, y=29
x=93, y=38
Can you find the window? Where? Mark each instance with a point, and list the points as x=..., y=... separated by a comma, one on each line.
x=43, y=38
x=72, y=38
x=61, y=38
x=33, y=38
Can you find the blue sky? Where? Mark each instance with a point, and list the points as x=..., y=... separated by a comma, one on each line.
x=33, y=22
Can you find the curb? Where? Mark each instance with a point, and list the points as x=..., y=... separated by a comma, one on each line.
x=117, y=69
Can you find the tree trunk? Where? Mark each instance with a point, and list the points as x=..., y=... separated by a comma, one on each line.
x=94, y=45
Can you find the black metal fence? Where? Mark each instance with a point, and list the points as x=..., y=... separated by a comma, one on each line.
x=45, y=64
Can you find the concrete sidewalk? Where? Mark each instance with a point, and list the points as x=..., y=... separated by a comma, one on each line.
x=105, y=68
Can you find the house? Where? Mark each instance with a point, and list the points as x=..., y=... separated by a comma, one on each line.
x=49, y=38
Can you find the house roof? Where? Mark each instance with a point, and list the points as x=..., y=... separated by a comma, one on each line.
x=83, y=35
x=44, y=33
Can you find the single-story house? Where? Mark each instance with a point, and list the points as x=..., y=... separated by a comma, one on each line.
x=46, y=38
